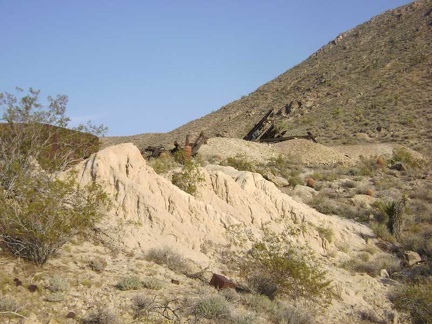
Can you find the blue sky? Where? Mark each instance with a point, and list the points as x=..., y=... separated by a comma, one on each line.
x=141, y=66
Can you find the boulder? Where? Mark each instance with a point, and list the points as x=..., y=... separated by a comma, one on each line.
x=412, y=258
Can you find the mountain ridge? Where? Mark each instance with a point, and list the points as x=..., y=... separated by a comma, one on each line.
x=373, y=79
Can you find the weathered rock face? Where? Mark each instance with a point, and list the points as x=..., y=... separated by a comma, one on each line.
x=150, y=211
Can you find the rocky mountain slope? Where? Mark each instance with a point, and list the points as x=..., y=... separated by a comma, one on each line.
x=375, y=79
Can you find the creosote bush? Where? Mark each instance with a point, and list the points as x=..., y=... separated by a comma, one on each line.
x=273, y=270
x=188, y=178
x=39, y=210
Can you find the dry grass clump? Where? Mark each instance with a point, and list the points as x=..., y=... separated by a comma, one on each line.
x=152, y=283
x=129, y=283
x=8, y=304
x=57, y=283
x=167, y=256
x=214, y=307
x=102, y=315
x=372, y=265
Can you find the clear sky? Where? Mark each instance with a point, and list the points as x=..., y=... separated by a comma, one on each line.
x=141, y=66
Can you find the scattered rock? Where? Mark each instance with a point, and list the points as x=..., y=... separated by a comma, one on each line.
x=303, y=193
x=412, y=258
x=310, y=182
x=399, y=166
x=32, y=288
x=380, y=162
x=384, y=273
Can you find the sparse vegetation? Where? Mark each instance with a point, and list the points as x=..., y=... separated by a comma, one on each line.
x=415, y=299
x=40, y=211
x=273, y=270
x=169, y=257
x=214, y=307
x=129, y=283
x=188, y=178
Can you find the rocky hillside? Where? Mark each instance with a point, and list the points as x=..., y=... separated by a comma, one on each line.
x=375, y=79
x=230, y=212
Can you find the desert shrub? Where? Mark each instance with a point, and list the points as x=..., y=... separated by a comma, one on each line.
x=163, y=164
x=284, y=313
x=142, y=305
x=46, y=213
x=295, y=180
x=55, y=297
x=211, y=307
x=8, y=304
x=258, y=303
x=39, y=212
x=57, y=284
x=239, y=162
x=349, y=184
x=229, y=294
x=98, y=264
x=404, y=156
x=129, y=283
x=414, y=299
x=102, y=315
x=272, y=270
x=365, y=263
x=152, y=283
x=243, y=318
x=188, y=178
x=380, y=230
x=167, y=256
x=325, y=233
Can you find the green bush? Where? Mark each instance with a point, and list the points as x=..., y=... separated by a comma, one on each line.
x=212, y=308
x=239, y=162
x=57, y=284
x=129, y=283
x=273, y=271
x=39, y=212
x=189, y=177
x=163, y=164
x=45, y=213
x=416, y=300
x=152, y=283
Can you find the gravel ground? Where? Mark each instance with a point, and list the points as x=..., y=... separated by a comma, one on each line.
x=301, y=150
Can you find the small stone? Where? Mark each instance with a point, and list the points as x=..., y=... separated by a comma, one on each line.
x=384, y=273
x=380, y=162
x=310, y=182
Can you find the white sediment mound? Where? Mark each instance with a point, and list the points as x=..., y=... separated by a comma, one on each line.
x=150, y=211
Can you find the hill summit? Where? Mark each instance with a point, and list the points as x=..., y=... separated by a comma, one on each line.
x=375, y=79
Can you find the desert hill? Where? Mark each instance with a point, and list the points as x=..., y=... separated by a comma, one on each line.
x=375, y=79
x=231, y=211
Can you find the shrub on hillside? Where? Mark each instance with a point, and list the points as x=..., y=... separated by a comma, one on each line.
x=188, y=178
x=169, y=257
x=272, y=270
x=39, y=212
x=415, y=299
